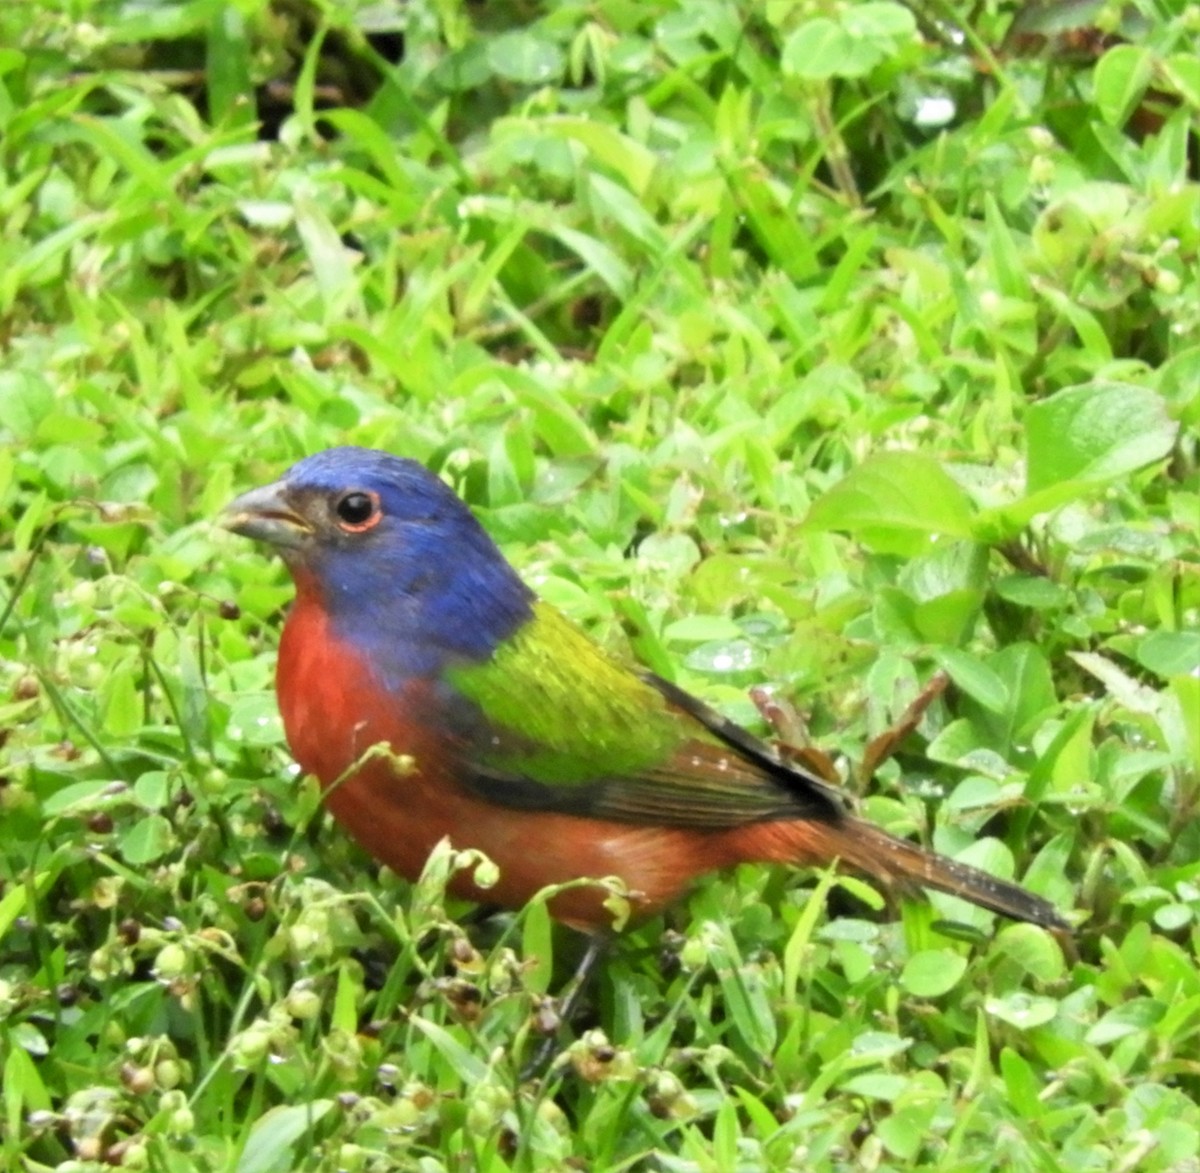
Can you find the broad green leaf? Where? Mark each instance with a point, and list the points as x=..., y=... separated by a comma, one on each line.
x=526, y=58
x=1022, y=1010
x=1170, y=653
x=1182, y=72
x=1120, y=80
x=906, y=1130
x=817, y=49
x=876, y=1085
x=1093, y=434
x=78, y=797
x=1024, y=673
x=895, y=502
x=974, y=677
x=699, y=628
x=150, y=838
x=1134, y=1016
x=25, y=400
x=1033, y=591
x=932, y=972
x=1033, y=949
x=879, y=20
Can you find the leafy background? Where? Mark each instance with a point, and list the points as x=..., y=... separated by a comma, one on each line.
x=822, y=346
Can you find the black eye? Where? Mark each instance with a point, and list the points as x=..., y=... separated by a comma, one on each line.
x=356, y=509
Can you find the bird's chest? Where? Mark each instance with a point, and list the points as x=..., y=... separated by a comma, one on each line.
x=337, y=713
x=381, y=752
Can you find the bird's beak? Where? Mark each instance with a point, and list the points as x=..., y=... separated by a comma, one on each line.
x=265, y=515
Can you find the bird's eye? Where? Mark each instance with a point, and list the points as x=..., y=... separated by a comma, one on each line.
x=358, y=511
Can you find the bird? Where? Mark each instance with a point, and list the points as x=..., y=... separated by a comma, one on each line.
x=435, y=696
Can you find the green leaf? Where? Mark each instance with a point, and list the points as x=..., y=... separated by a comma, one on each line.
x=773, y=221
x=876, y=1085
x=700, y=628
x=332, y=262
x=1092, y=434
x=345, y=1001
x=947, y=584
x=1033, y=591
x=525, y=58
x=77, y=797
x=123, y=709
x=906, y=1130
x=895, y=502
x=932, y=972
x=974, y=677
x=1033, y=949
x=1186, y=690
x=1022, y=1085
x=817, y=49
x=270, y=1146
x=228, y=68
x=744, y=993
x=1022, y=1010
x=467, y=1066
x=1120, y=79
x=795, y=953
x=1132, y=1017
x=24, y=1090
x=600, y=259
x=15, y=901
x=1170, y=653
x=25, y=400
x=1024, y=673
x=147, y=840
x=537, y=946
x=631, y=160
x=1181, y=71
x=879, y=20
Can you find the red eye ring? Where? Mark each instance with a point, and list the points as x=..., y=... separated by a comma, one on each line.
x=358, y=511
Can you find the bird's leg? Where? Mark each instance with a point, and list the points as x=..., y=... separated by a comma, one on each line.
x=568, y=1002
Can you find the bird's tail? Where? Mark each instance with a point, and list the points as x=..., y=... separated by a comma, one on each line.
x=899, y=864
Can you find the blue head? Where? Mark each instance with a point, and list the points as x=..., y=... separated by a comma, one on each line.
x=400, y=564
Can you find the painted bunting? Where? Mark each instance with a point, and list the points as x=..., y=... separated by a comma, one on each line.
x=509, y=730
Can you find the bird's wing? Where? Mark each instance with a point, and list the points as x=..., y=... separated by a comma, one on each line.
x=552, y=722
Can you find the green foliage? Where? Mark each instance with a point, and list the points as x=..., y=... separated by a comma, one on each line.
x=822, y=346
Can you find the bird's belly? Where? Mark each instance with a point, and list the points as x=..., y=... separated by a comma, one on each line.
x=400, y=819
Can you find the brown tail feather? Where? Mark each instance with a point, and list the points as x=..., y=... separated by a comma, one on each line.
x=900, y=862
x=897, y=863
